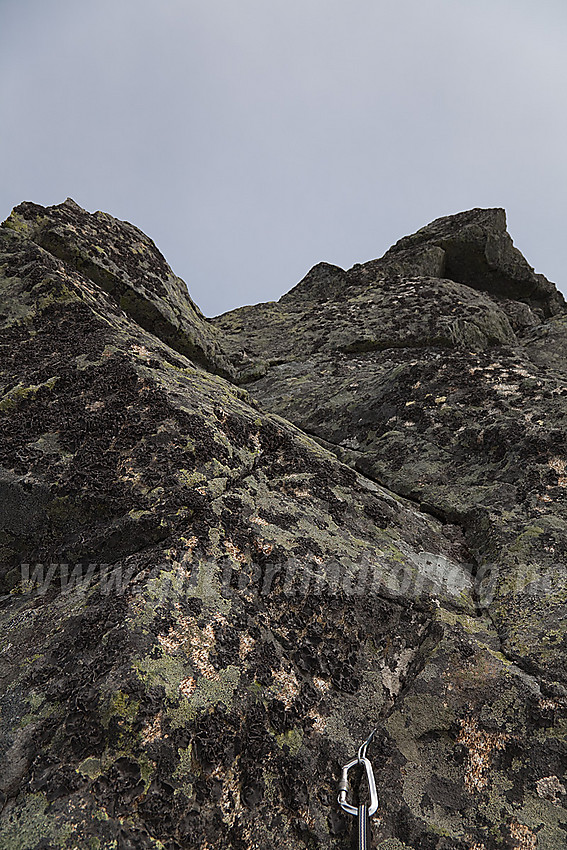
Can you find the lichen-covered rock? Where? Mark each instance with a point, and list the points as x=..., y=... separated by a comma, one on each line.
x=123, y=261
x=205, y=610
x=426, y=386
x=475, y=248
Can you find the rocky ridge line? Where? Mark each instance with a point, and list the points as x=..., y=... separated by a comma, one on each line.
x=277, y=600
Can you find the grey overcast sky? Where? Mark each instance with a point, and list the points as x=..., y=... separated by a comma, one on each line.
x=252, y=139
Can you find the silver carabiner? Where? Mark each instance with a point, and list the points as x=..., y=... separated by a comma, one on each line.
x=363, y=747
x=344, y=787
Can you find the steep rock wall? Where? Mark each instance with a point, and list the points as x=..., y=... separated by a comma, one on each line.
x=217, y=607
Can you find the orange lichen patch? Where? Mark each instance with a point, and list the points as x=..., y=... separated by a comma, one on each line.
x=258, y=520
x=190, y=544
x=177, y=556
x=187, y=687
x=319, y=722
x=130, y=474
x=321, y=685
x=201, y=645
x=170, y=642
x=196, y=642
x=288, y=686
x=152, y=730
x=255, y=440
x=558, y=464
x=263, y=546
x=141, y=351
x=480, y=745
x=525, y=839
x=181, y=570
x=550, y=788
x=246, y=646
x=306, y=816
x=234, y=551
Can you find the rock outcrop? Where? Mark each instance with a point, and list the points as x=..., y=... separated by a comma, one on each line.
x=230, y=548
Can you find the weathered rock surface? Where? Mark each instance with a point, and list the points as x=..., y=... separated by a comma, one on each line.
x=263, y=535
x=124, y=262
x=447, y=394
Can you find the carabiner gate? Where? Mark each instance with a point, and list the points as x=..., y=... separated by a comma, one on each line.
x=344, y=787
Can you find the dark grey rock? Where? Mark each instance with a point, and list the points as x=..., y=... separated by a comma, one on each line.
x=226, y=587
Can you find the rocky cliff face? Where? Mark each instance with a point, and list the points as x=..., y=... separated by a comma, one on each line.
x=230, y=548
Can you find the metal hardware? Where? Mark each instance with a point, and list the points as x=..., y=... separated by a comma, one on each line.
x=363, y=747
x=344, y=783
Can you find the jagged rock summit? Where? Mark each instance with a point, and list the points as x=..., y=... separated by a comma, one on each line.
x=230, y=548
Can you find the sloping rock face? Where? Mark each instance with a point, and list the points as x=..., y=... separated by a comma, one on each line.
x=450, y=394
x=124, y=262
x=231, y=549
